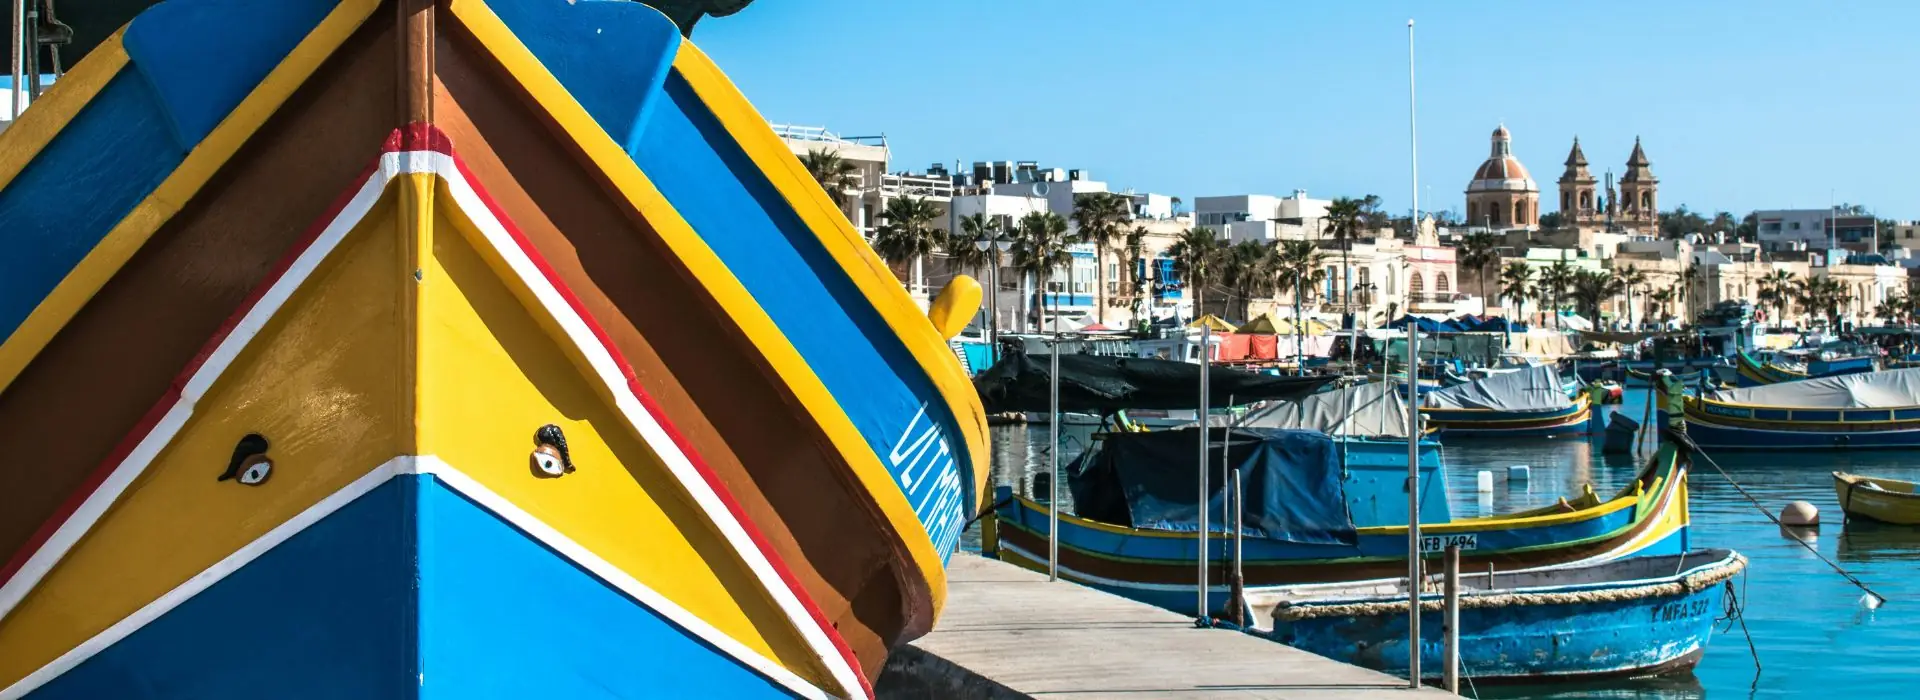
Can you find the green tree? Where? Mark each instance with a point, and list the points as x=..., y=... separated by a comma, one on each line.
x=835, y=174
x=1776, y=289
x=1749, y=228
x=1629, y=279
x=1551, y=220
x=1193, y=256
x=1689, y=280
x=1099, y=218
x=1552, y=287
x=1040, y=249
x=1243, y=270
x=961, y=249
x=1516, y=283
x=1479, y=252
x=1681, y=221
x=1298, y=265
x=1590, y=289
x=908, y=235
x=1136, y=260
x=1346, y=219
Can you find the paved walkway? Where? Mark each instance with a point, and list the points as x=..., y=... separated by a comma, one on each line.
x=1062, y=640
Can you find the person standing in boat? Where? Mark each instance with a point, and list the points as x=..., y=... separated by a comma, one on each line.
x=1673, y=400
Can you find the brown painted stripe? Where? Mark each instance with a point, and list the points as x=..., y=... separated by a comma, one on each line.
x=110, y=364
x=685, y=353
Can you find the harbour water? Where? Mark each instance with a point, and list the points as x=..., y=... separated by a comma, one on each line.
x=1812, y=636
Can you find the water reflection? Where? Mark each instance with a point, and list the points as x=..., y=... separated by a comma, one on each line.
x=1868, y=541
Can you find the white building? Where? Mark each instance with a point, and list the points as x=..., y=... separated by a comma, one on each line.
x=1260, y=217
x=1816, y=229
x=1055, y=185
x=1152, y=206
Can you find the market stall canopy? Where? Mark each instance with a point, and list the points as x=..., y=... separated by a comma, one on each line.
x=1292, y=480
x=1531, y=389
x=1215, y=322
x=1263, y=324
x=1464, y=324
x=1098, y=384
x=1898, y=388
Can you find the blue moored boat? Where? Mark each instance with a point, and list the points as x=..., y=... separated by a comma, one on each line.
x=1855, y=411
x=1631, y=617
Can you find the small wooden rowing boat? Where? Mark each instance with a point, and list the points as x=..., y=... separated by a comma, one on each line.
x=1642, y=616
x=1884, y=500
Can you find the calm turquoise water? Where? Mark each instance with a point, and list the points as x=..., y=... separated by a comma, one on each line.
x=1813, y=637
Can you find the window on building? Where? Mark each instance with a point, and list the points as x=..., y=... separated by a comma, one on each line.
x=1646, y=201
x=1414, y=285
x=1566, y=201
x=1795, y=225
x=1440, y=283
x=1519, y=212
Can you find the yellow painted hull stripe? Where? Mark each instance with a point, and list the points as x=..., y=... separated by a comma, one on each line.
x=132, y=232
x=30, y=134
x=836, y=234
x=714, y=276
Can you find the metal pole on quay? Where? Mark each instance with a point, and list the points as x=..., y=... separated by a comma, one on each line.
x=1206, y=433
x=1053, y=459
x=1450, y=625
x=1413, y=405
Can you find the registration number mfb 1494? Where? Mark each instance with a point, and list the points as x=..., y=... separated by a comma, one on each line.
x=1439, y=543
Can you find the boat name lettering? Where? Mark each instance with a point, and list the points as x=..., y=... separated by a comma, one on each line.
x=923, y=462
x=1439, y=543
x=1719, y=410
x=1680, y=610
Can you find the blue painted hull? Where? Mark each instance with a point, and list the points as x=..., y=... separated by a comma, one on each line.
x=1730, y=437
x=410, y=591
x=1527, y=641
x=651, y=110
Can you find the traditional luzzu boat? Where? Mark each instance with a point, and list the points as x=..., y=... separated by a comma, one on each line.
x=1854, y=411
x=1750, y=371
x=409, y=349
x=1641, y=616
x=1878, y=499
x=1137, y=539
x=1528, y=403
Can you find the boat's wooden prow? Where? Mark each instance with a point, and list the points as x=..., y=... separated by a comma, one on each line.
x=334, y=318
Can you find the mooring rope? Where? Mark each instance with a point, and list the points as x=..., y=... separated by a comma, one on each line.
x=1695, y=449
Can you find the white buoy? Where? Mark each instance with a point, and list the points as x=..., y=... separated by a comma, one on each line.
x=1484, y=481
x=1800, y=514
x=1519, y=473
x=1870, y=601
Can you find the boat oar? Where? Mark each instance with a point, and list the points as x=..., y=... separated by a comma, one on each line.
x=1871, y=600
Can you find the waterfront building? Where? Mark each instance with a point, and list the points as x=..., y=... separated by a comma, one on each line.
x=1815, y=229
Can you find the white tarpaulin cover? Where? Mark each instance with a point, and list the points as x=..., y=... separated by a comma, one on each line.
x=1365, y=410
x=1896, y=388
x=1531, y=389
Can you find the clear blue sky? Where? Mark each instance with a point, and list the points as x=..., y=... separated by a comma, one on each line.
x=1742, y=105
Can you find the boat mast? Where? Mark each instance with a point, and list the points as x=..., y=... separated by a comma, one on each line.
x=1053, y=459
x=1413, y=409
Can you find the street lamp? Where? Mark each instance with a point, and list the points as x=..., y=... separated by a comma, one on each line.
x=996, y=245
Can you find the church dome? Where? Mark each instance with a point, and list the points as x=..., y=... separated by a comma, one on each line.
x=1502, y=172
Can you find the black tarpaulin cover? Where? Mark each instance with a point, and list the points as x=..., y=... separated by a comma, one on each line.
x=1292, y=481
x=1097, y=384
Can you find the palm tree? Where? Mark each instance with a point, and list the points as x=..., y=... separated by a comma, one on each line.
x=1590, y=289
x=1629, y=278
x=1515, y=282
x=1243, y=269
x=961, y=248
x=835, y=174
x=1776, y=288
x=1136, y=253
x=1346, y=219
x=1099, y=217
x=1662, y=297
x=1689, y=277
x=1478, y=252
x=1298, y=265
x=908, y=234
x=1039, y=249
x=1193, y=256
x=1553, y=285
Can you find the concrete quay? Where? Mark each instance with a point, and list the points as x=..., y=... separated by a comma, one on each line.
x=1008, y=633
